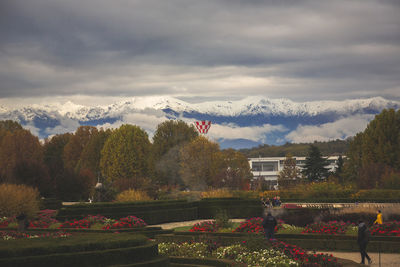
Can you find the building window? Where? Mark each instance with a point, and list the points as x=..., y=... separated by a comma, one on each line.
x=265, y=166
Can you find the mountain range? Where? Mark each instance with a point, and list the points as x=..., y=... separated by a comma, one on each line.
x=239, y=124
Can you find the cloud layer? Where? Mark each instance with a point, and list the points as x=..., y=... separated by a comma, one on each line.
x=303, y=50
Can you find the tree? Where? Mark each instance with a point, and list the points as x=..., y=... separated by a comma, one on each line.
x=339, y=170
x=234, y=170
x=9, y=126
x=91, y=153
x=76, y=144
x=374, y=151
x=314, y=168
x=168, y=139
x=21, y=160
x=53, y=153
x=170, y=134
x=199, y=163
x=126, y=154
x=289, y=173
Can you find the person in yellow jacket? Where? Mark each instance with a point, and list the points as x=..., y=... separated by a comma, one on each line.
x=378, y=218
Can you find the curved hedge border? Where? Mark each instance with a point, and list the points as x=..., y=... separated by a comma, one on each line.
x=82, y=250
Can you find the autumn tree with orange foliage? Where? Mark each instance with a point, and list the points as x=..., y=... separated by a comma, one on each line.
x=21, y=160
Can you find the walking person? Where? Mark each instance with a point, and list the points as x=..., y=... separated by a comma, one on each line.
x=362, y=240
x=269, y=224
x=378, y=218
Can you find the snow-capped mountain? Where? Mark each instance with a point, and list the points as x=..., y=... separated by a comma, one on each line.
x=250, y=121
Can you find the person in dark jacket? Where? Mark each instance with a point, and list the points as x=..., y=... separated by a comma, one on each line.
x=269, y=224
x=362, y=240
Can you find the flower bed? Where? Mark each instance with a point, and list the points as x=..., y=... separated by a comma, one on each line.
x=307, y=259
x=205, y=226
x=327, y=228
x=123, y=223
x=127, y=222
x=10, y=235
x=254, y=225
x=386, y=229
x=4, y=221
x=279, y=254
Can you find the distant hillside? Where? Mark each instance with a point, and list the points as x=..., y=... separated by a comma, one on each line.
x=337, y=147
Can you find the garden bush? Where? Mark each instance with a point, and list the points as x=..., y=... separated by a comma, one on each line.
x=18, y=199
x=377, y=194
x=217, y=193
x=132, y=195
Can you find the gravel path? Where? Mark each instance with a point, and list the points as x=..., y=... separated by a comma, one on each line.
x=188, y=223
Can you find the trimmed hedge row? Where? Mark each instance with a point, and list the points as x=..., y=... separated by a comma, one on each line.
x=87, y=258
x=74, y=243
x=149, y=232
x=82, y=250
x=340, y=200
x=166, y=211
x=151, y=213
x=235, y=207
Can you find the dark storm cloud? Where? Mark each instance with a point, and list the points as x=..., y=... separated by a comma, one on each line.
x=296, y=49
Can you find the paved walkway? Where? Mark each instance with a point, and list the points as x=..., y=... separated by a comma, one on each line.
x=386, y=259
x=188, y=223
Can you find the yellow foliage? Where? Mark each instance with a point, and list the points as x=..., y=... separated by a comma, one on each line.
x=18, y=199
x=131, y=195
x=217, y=193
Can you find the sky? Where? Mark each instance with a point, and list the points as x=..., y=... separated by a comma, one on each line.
x=97, y=51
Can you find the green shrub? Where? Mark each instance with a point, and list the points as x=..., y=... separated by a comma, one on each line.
x=18, y=199
x=377, y=194
x=132, y=195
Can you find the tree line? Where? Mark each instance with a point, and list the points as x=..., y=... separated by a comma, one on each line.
x=68, y=166
x=371, y=161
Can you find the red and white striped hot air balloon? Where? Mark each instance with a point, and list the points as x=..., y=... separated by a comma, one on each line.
x=202, y=126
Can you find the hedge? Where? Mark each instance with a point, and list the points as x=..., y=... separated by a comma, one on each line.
x=151, y=213
x=74, y=243
x=149, y=232
x=87, y=258
x=82, y=250
x=235, y=207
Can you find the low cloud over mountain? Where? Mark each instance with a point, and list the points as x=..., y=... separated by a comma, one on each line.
x=242, y=123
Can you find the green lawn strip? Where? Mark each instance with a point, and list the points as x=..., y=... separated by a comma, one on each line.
x=74, y=243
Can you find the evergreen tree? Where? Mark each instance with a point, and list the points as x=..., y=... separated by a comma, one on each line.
x=339, y=169
x=314, y=168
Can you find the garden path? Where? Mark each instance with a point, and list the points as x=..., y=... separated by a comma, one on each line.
x=387, y=259
x=188, y=223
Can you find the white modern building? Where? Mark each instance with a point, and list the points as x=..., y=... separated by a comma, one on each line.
x=267, y=169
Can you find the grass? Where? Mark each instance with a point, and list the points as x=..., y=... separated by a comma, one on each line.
x=290, y=229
